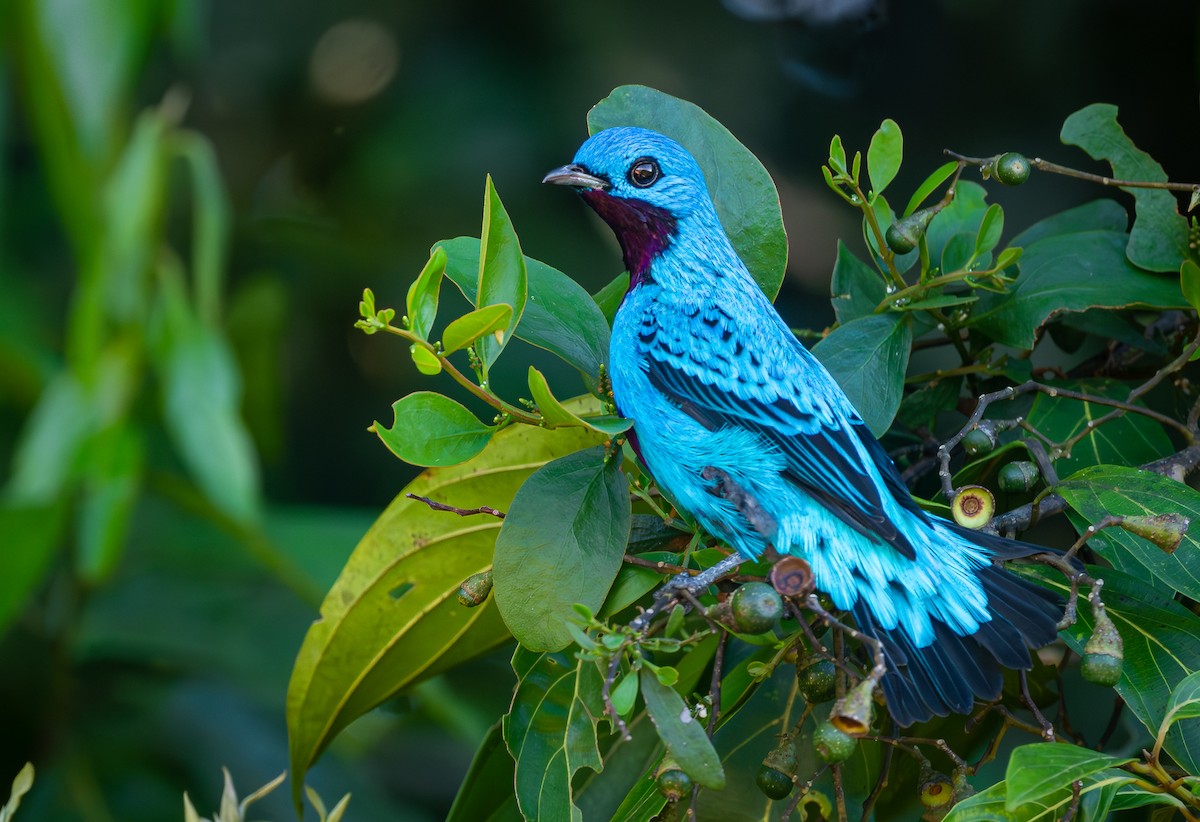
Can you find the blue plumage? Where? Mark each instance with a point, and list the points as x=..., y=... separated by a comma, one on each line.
x=714, y=379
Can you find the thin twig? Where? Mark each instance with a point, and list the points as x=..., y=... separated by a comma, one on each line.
x=462, y=512
x=1055, y=168
x=1047, y=728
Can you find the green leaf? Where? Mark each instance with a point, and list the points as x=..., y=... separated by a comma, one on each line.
x=1185, y=699
x=884, y=155
x=31, y=536
x=555, y=414
x=608, y=299
x=929, y=186
x=502, y=275
x=964, y=215
x=425, y=360
x=682, y=733
x=551, y=730
x=51, y=440
x=856, y=289
x=1158, y=240
x=560, y=316
x=742, y=190
x=433, y=430
x=1162, y=647
x=487, y=790
x=113, y=463
x=937, y=301
x=210, y=221
x=1120, y=491
x=990, y=805
x=868, y=357
x=1127, y=440
x=561, y=544
x=22, y=783
x=202, y=405
x=392, y=618
x=421, y=304
x=624, y=693
x=1040, y=769
x=1098, y=215
x=1070, y=272
x=957, y=251
x=491, y=319
x=990, y=230
x=837, y=155
x=1189, y=281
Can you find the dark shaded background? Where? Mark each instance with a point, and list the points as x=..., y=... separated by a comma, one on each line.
x=347, y=153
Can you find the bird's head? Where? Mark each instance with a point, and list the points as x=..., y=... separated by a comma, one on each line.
x=646, y=186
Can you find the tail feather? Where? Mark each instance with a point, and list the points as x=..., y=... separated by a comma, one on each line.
x=948, y=674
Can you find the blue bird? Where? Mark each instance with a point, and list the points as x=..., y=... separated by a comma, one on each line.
x=724, y=398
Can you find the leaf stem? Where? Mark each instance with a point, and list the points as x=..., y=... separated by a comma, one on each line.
x=509, y=410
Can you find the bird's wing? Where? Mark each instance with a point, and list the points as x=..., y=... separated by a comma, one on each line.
x=721, y=375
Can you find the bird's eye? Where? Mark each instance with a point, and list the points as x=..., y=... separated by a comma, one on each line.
x=644, y=172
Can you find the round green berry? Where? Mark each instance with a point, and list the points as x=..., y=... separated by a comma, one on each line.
x=674, y=784
x=756, y=608
x=896, y=240
x=774, y=783
x=1012, y=168
x=831, y=744
x=817, y=681
x=1101, y=669
x=978, y=441
x=1019, y=476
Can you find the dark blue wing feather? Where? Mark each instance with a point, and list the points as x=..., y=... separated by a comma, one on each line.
x=825, y=455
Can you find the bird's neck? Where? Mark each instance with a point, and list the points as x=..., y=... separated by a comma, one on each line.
x=644, y=231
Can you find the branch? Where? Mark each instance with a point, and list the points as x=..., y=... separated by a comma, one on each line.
x=462, y=512
x=1177, y=466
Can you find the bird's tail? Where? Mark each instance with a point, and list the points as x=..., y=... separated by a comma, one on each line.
x=949, y=673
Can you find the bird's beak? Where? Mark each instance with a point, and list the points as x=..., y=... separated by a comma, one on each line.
x=576, y=175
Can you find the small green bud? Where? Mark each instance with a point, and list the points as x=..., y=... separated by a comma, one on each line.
x=831, y=744
x=816, y=681
x=1011, y=169
x=903, y=235
x=1105, y=651
x=1019, y=476
x=973, y=506
x=475, y=589
x=1164, y=530
x=778, y=768
x=756, y=608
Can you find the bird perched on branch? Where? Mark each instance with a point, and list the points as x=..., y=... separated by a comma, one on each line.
x=742, y=427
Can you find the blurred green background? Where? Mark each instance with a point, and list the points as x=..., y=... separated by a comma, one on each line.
x=166, y=536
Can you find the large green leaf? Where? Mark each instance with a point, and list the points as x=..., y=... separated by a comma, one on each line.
x=741, y=188
x=991, y=804
x=1121, y=491
x=430, y=429
x=869, y=357
x=486, y=793
x=1158, y=240
x=1071, y=272
x=551, y=730
x=1128, y=440
x=1162, y=647
x=202, y=405
x=561, y=544
x=683, y=734
x=31, y=535
x=560, y=316
x=1042, y=769
x=856, y=287
x=1185, y=699
x=1098, y=215
x=502, y=276
x=392, y=617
